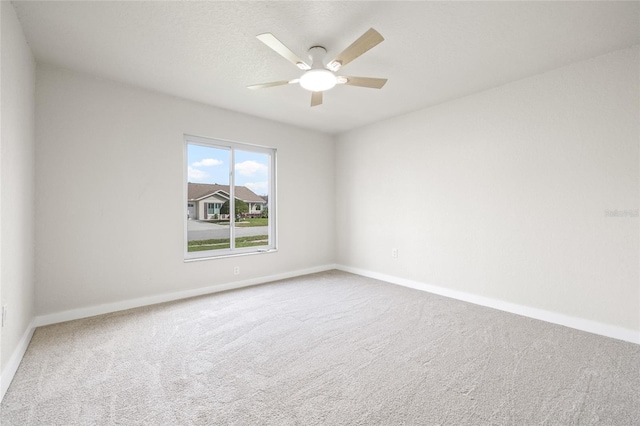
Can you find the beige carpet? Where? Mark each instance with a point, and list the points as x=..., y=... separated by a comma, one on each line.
x=329, y=348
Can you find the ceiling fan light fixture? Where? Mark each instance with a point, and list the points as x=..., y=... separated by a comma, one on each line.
x=318, y=80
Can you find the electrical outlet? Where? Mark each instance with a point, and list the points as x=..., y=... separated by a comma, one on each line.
x=394, y=253
x=4, y=315
x=236, y=270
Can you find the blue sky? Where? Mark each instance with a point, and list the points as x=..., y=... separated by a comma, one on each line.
x=211, y=165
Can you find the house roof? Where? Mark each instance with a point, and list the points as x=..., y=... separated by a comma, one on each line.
x=197, y=191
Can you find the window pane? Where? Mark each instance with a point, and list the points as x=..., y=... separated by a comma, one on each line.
x=252, y=172
x=207, y=192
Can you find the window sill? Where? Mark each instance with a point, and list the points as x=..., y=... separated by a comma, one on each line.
x=188, y=259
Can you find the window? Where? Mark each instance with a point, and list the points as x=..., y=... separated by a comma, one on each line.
x=230, y=198
x=213, y=208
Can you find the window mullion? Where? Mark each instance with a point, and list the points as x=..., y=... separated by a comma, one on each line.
x=232, y=202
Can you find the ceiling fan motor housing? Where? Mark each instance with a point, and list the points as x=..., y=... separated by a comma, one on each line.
x=316, y=54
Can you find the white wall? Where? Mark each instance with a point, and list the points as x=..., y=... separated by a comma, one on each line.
x=110, y=193
x=503, y=194
x=16, y=184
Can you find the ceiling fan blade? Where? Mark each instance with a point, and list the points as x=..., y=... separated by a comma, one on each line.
x=265, y=85
x=366, y=41
x=316, y=98
x=271, y=41
x=373, y=83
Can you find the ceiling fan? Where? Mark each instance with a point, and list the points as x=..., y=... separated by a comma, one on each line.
x=319, y=77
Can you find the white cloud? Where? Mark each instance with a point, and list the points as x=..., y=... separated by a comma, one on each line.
x=251, y=168
x=207, y=162
x=196, y=175
x=260, y=188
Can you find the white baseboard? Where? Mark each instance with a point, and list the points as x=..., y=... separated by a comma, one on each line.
x=589, y=326
x=14, y=362
x=10, y=369
x=106, y=308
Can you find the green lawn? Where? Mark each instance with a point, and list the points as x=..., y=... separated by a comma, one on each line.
x=258, y=221
x=223, y=243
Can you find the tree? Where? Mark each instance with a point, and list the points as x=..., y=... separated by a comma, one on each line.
x=241, y=207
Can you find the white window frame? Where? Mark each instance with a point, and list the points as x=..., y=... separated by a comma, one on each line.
x=271, y=203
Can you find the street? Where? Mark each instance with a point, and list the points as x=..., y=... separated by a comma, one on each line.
x=197, y=230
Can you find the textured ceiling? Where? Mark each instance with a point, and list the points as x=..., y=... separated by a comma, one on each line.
x=433, y=51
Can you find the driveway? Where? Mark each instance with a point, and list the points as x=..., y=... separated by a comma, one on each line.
x=197, y=230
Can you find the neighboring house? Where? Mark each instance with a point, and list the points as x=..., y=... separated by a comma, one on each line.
x=205, y=200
